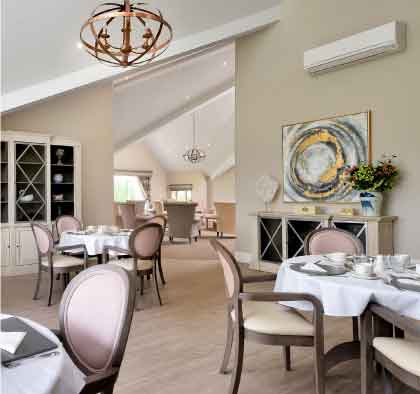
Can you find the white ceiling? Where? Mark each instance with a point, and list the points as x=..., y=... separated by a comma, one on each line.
x=144, y=103
x=215, y=124
x=39, y=37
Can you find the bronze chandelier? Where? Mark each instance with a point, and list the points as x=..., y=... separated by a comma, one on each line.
x=125, y=35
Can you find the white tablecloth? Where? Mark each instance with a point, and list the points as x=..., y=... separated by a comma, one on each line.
x=344, y=295
x=53, y=375
x=96, y=242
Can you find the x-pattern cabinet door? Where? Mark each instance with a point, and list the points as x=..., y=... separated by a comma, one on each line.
x=271, y=240
x=296, y=232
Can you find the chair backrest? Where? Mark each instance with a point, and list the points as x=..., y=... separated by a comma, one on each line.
x=67, y=223
x=331, y=240
x=138, y=206
x=158, y=207
x=145, y=241
x=231, y=270
x=159, y=219
x=180, y=219
x=226, y=214
x=43, y=239
x=128, y=215
x=95, y=317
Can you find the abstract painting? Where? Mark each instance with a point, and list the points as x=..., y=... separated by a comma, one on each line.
x=316, y=154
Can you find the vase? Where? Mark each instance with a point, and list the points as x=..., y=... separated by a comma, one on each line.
x=58, y=178
x=371, y=203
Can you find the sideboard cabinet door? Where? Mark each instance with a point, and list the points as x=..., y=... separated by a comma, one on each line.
x=297, y=230
x=26, y=252
x=6, y=247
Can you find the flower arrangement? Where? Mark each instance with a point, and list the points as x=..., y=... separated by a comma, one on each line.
x=374, y=178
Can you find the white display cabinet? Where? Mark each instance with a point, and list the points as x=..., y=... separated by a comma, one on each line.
x=40, y=180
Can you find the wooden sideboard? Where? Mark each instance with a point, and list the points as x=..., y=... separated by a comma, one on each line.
x=281, y=235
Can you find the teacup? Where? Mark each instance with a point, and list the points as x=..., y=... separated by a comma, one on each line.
x=91, y=228
x=363, y=269
x=337, y=258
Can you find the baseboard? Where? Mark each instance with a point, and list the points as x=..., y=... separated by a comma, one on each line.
x=243, y=257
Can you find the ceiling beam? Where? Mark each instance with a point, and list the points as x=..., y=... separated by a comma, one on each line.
x=183, y=46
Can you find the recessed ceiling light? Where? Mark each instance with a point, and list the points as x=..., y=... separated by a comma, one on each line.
x=79, y=45
x=225, y=63
x=187, y=97
x=209, y=145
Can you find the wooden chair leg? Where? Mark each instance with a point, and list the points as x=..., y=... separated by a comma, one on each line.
x=228, y=347
x=38, y=284
x=51, y=287
x=156, y=283
x=239, y=358
x=387, y=381
x=287, y=358
x=367, y=366
x=141, y=284
x=319, y=358
x=162, y=277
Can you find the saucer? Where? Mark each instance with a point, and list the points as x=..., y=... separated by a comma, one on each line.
x=366, y=277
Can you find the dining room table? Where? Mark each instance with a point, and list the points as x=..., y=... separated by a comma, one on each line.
x=51, y=372
x=343, y=295
x=96, y=241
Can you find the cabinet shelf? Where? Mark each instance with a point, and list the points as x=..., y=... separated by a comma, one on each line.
x=65, y=201
x=62, y=165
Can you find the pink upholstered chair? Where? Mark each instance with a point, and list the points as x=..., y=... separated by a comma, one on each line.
x=144, y=245
x=128, y=216
x=50, y=261
x=67, y=223
x=258, y=317
x=160, y=219
x=330, y=240
x=95, y=320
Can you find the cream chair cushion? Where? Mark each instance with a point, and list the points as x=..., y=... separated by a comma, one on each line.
x=403, y=352
x=127, y=264
x=63, y=261
x=272, y=318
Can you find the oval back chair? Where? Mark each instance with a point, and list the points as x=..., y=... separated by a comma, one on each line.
x=330, y=240
x=259, y=317
x=52, y=262
x=160, y=219
x=95, y=319
x=143, y=248
x=67, y=223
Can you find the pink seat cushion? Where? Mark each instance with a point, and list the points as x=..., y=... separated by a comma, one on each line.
x=93, y=319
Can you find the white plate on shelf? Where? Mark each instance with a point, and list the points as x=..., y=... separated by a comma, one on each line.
x=365, y=277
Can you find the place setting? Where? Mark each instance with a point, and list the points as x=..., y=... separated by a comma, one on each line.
x=333, y=264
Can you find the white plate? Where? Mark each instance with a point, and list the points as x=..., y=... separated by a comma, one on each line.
x=370, y=277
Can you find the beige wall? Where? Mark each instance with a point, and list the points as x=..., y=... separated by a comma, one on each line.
x=223, y=187
x=138, y=157
x=273, y=89
x=195, y=178
x=83, y=115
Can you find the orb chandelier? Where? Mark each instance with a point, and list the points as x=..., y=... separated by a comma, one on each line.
x=125, y=35
x=195, y=154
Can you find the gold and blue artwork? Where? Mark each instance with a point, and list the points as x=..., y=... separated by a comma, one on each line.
x=317, y=153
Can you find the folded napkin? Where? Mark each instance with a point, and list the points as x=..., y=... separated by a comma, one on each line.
x=313, y=267
x=10, y=341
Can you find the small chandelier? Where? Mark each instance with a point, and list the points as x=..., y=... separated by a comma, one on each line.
x=125, y=35
x=194, y=155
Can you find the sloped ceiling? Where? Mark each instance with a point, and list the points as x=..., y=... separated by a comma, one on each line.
x=142, y=105
x=215, y=124
x=40, y=56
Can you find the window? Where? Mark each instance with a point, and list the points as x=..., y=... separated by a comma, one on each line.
x=181, y=192
x=127, y=187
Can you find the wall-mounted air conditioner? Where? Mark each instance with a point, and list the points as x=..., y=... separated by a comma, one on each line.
x=363, y=46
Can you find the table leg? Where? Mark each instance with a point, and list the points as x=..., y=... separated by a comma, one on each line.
x=99, y=258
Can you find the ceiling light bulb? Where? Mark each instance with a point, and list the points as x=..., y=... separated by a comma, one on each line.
x=225, y=63
x=79, y=45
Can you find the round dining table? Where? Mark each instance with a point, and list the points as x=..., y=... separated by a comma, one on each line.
x=49, y=373
x=343, y=296
x=95, y=242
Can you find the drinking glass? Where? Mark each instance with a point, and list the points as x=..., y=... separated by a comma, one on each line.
x=399, y=262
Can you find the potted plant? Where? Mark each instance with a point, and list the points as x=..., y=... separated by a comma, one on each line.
x=372, y=180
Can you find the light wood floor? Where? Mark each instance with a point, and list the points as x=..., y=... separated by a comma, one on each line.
x=177, y=348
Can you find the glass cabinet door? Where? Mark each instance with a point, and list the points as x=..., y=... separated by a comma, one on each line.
x=4, y=192
x=30, y=169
